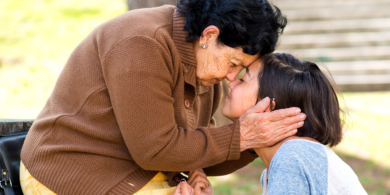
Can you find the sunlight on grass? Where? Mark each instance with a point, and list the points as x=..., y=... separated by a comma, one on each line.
x=367, y=129
x=36, y=38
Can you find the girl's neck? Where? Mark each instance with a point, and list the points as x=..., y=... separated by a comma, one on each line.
x=267, y=153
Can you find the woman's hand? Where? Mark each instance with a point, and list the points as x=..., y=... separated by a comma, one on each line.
x=183, y=188
x=199, y=182
x=261, y=129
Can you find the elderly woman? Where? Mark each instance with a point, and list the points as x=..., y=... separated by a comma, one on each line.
x=139, y=93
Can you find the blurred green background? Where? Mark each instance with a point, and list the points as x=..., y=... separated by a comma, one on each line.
x=36, y=38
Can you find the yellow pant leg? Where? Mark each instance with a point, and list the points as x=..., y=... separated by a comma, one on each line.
x=31, y=186
x=157, y=186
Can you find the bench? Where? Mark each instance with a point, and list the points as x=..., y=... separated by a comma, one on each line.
x=349, y=38
x=12, y=135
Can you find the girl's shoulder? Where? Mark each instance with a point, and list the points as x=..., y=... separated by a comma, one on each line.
x=300, y=154
x=313, y=164
x=301, y=148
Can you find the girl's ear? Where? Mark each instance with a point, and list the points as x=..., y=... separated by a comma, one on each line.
x=271, y=106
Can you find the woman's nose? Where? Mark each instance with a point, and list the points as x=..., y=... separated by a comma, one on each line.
x=231, y=76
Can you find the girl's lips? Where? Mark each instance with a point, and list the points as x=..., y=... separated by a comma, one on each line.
x=217, y=80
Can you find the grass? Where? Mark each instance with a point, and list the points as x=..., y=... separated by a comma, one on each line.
x=367, y=129
x=36, y=38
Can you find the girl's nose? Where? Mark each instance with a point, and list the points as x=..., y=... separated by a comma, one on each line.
x=232, y=84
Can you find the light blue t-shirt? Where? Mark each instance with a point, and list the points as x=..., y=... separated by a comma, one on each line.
x=306, y=167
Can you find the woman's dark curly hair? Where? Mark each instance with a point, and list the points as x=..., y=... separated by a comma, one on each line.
x=254, y=25
x=296, y=83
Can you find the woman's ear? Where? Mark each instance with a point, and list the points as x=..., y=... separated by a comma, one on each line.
x=209, y=35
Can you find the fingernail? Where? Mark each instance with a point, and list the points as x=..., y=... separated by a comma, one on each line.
x=303, y=116
x=182, y=180
x=300, y=123
x=297, y=110
x=295, y=131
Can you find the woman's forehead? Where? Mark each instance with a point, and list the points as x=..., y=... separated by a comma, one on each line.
x=246, y=59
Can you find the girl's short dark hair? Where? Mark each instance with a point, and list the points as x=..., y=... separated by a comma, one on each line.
x=254, y=25
x=296, y=83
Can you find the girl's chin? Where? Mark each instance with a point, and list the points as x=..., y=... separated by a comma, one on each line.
x=229, y=117
x=227, y=114
x=232, y=118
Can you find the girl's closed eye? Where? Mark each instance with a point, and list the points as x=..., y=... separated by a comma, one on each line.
x=242, y=80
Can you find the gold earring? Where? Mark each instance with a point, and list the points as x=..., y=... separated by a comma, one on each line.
x=204, y=45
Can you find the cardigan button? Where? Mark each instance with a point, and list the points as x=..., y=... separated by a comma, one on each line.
x=187, y=103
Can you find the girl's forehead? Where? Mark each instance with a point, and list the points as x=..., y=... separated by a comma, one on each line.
x=255, y=67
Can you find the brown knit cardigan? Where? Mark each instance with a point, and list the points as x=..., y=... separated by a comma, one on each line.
x=118, y=112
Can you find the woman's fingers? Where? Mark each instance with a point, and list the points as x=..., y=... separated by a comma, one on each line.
x=177, y=191
x=198, y=186
x=283, y=136
x=198, y=180
x=183, y=189
x=198, y=175
x=194, y=173
x=286, y=125
x=281, y=114
x=290, y=114
x=261, y=106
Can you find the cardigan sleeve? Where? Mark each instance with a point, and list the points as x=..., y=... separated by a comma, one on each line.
x=231, y=166
x=139, y=76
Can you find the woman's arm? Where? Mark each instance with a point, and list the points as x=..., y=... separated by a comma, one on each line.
x=231, y=166
x=140, y=86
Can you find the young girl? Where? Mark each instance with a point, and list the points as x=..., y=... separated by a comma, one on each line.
x=301, y=164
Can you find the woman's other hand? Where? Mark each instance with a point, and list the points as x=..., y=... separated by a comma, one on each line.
x=199, y=182
x=183, y=188
x=262, y=129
